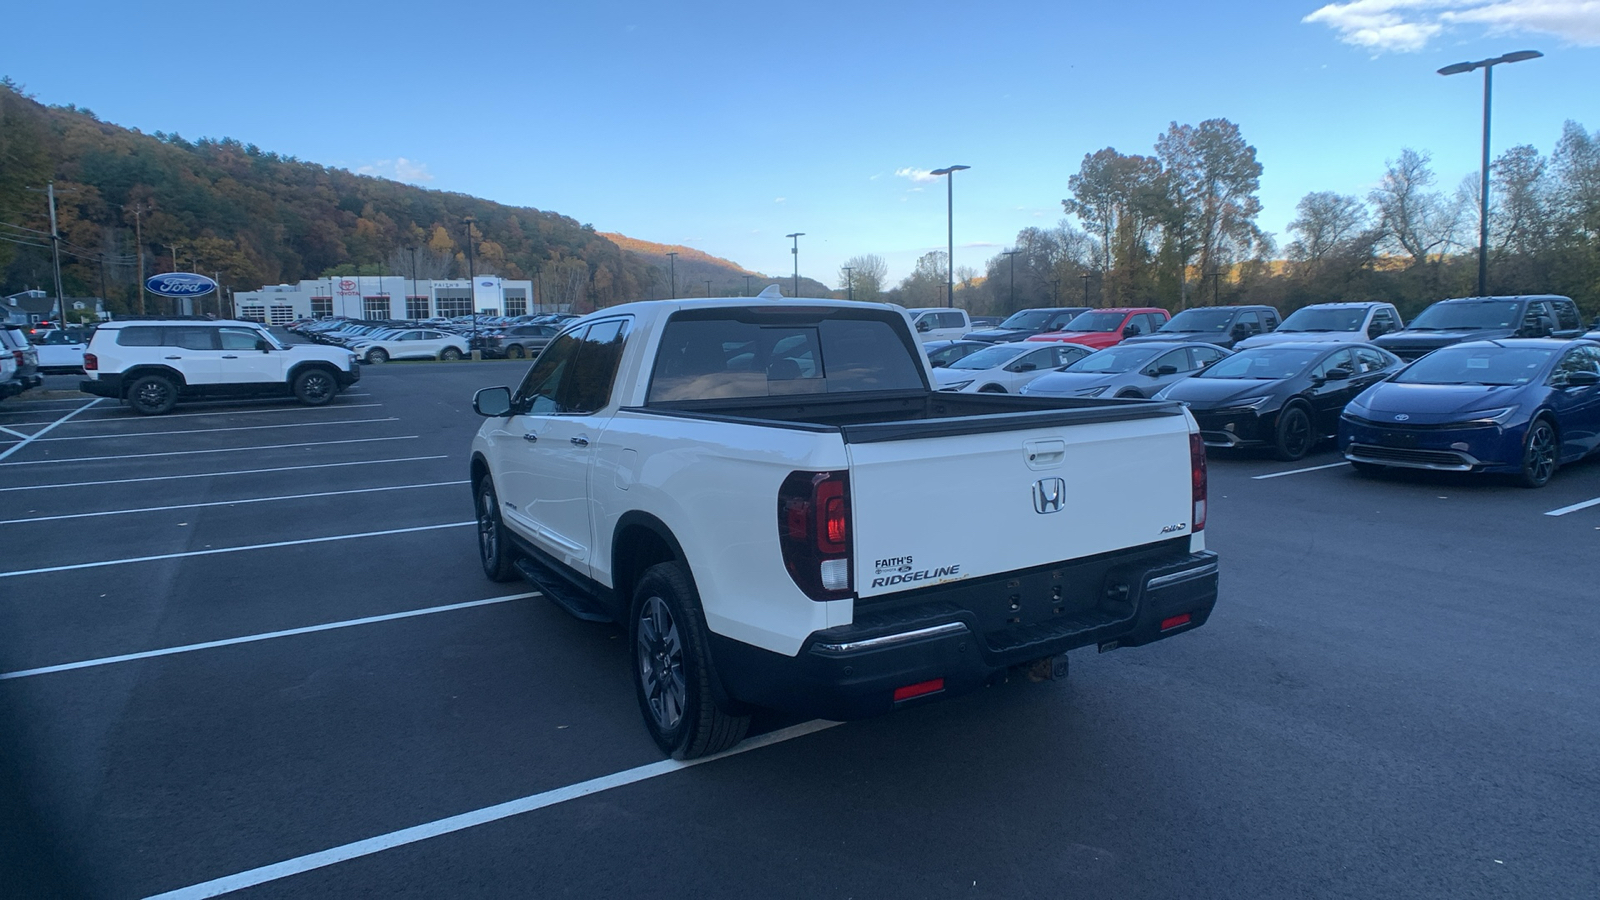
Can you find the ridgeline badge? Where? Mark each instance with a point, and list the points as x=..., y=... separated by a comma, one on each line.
x=180, y=284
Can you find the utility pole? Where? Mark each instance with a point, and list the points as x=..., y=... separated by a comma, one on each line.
x=55, y=253
x=796, y=251
x=413, y=281
x=138, y=238
x=672, y=266
x=849, y=284
x=1011, y=305
x=747, y=286
x=1085, y=277
x=472, y=295
x=708, y=287
x=217, y=277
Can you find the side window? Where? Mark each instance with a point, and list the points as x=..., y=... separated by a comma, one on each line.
x=1039, y=359
x=1341, y=360
x=1577, y=359
x=1370, y=360
x=950, y=320
x=1177, y=359
x=1250, y=320
x=1204, y=356
x=1567, y=316
x=1382, y=323
x=192, y=338
x=1539, y=309
x=538, y=392
x=1065, y=355
x=588, y=387
x=1270, y=319
x=139, y=336
x=238, y=338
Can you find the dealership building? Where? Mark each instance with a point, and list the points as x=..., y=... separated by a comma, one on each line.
x=385, y=297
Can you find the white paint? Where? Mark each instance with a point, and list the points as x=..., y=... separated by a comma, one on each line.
x=148, y=509
x=360, y=462
x=264, y=636
x=217, y=550
x=43, y=431
x=1574, y=507
x=484, y=816
x=1299, y=471
x=139, y=434
x=22, y=424
x=220, y=412
x=77, y=459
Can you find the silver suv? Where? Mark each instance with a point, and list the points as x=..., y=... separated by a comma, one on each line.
x=19, y=362
x=153, y=364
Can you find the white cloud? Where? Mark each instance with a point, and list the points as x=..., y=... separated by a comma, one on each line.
x=779, y=199
x=1406, y=26
x=917, y=175
x=400, y=169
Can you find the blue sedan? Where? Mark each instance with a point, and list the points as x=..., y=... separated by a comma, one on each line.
x=1523, y=407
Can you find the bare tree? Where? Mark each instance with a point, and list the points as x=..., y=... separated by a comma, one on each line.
x=867, y=273
x=1332, y=231
x=431, y=263
x=564, y=284
x=1414, y=220
x=1211, y=180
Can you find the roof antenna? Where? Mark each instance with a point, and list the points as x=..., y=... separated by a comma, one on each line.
x=770, y=292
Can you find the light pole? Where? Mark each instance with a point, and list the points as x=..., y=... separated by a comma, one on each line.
x=950, y=230
x=708, y=287
x=849, y=284
x=1011, y=305
x=413, y=251
x=747, y=285
x=796, y=251
x=1487, y=65
x=672, y=266
x=1085, y=277
x=472, y=275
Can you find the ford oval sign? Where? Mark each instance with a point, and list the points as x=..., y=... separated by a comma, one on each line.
x=180, y=284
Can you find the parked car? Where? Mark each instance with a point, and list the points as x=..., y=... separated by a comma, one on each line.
x=411, y=343
x=518, y=341
x=1098, y=329
x=992, y=321
x=1520, y=406
x=939, y=323
x=1005, y=368
x=943, y=353
x=19, y=362
x=1131, y=371
x=59, y=350
x=1342, y=322
x=1020, y=326
x=1485, y=318
x=1224, y=326
x=1287, y=397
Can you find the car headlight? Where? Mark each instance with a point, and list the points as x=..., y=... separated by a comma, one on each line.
x=1092, y=392
x=1252, y=403
x=957, y=385
x=1356, y=408
x=1489, y=416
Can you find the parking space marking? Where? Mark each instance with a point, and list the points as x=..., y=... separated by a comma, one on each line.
x=221, y=412
x=484, y=816
x=72, y=459
x=137, y=434
x=148, y=509
x=1298, y=471
x=1574, y=507
x=43, y=431
x=359, y=462
x=24, y=424
x=216, y=550
x=264, y=636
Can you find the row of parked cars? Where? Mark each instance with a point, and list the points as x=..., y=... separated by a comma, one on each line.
x=376, y=342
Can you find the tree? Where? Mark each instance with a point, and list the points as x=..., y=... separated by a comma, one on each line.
x=1120, y=199
x=1212, y=177
x=1334, y=236
x=1414, y=220
x=926, y=283
x=867, y=273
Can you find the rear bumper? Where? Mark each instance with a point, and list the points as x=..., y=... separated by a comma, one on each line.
x=853, y=671
x=17, y=384
x=103, y=386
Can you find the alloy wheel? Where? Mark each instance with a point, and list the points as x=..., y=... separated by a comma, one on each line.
x=660, y=650
x=1540, y=462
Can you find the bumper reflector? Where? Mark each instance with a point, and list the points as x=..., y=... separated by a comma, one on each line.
x=918, y=689
x=1175, y=621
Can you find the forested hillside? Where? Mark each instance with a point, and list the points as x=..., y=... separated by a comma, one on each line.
x=699, y=272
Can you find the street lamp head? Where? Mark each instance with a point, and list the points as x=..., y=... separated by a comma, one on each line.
x=1519, y=56
x=796, y=234
x=948, y=169
x=1460, y=68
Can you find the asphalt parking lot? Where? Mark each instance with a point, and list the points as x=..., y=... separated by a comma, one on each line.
x=248, y=646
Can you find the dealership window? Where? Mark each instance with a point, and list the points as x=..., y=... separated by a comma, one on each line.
x=516, y=302
x=253, y=313
x=375, y=307
x=321, y=307
x=454, y=302
x=416, y=307
x=281, y=315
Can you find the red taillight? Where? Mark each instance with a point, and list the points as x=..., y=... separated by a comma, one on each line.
x=17, y=355
x=90, y=362
x=920, y=689
x=1174, y=622
x=1197, y=477
x=814, y=532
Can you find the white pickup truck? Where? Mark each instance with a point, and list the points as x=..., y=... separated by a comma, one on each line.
x=760, y=493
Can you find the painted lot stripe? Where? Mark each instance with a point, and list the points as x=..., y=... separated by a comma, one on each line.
x=43, y=431
x=22, y=424
x=73, y=459
x=1574, y=507
x=1298, y=471
x=137, y=434
x=121, y=416
x=149, y=509
x=217, y=550
x=360, y=462
x=265, y=636
x=484, y=816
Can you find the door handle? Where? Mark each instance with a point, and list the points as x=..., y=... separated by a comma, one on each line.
x=581, y=441
x=230, y=357
x=174, y=357
x=530, y=437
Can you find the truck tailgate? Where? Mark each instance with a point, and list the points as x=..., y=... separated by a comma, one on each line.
x=935, y=509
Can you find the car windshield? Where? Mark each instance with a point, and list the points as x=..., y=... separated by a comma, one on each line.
x=1095, y=321
x=1028, y=319
x=1264, y=363
x=1324, y=319
x=1114, y=359
x=1192, y=321
x=1446, y=316
x=988, y=359
x=1477, y=365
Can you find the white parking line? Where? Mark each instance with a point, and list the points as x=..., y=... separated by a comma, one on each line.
x=484, y=816
x=265, y=636
x=1574, y=507
x=1298, y=471
x=125, y=417
x=216, y=550
x=43, y=431
x=359, y=462
x=73, y=459
x=148, y=509
x=136, y=434
x=23, y=424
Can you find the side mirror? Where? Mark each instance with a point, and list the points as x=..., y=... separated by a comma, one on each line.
x=1025, y=367
x=1583, y=379
x=492, y=402
x=939, y=363
x=923, y=325
x=1130, y=331
x=1166, y=370
x=1338, y=375
x=1240, y=330
x=1378, y=329
x=263, y=346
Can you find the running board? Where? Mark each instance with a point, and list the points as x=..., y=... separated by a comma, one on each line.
x=576, y=602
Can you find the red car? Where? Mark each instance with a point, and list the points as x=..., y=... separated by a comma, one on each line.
x=1102, y=328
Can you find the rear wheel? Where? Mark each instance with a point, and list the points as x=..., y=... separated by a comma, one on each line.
x=672, y=668
x=515, y=351
x=152, y=395
x=377, y=356
x=494, y=550
x=991, y=389
x=450, y=354
x=315, y=387
x=1540, y=454
x=1293, y=438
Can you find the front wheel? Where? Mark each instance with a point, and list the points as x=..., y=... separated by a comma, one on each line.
x=152, y=395
x=315, y=387
x=1540, y=454
x=377, y=356
x=1293, y=439
x=494, y=550
x=515, y=351
x=991, y=389
x=672, y=668
x=450, y=354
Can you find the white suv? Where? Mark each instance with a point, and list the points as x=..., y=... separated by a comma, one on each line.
x=153, y=364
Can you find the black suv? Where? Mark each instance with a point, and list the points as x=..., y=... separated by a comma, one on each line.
x=1484, y=319
x=1220, y=325
x=1020, y=326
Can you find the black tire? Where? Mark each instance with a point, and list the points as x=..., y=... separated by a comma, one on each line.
x=1541, y=454
x=672, y=668
x=1368, y=470
x=315, y=387
x=494, y=548
x=449, y=354
x=152, y=395
x=515, y=351
x=991, y=389
x=1129, y=395
x=1292, y=439
x=377, y=356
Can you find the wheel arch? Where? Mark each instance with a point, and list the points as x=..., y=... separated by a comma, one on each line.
x=639, y=541
x=323, y=364
x=134, y=373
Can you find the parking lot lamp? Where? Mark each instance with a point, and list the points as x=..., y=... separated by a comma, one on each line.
x=950, y=230
x=672, y=267
x=1487, y=65
x=849, y=284
x=1011, y=255
x=796, y=251
x=472, y=297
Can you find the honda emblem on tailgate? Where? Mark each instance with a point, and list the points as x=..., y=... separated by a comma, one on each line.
x=1048, y=495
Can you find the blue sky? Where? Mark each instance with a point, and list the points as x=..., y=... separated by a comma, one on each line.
x=726, y=126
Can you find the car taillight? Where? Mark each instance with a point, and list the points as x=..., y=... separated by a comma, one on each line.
x=17, y=355
x=90, y=362
x=814, y=532
x=1197, y=478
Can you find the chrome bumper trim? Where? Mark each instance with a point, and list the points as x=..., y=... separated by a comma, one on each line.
x=891, y=639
